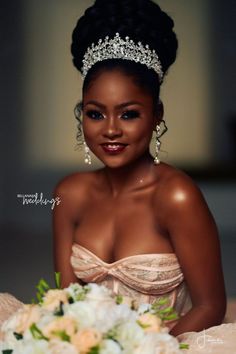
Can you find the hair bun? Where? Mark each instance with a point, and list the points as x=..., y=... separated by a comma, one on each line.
x=142, y=20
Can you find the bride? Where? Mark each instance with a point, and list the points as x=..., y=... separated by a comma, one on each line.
x=138, y=225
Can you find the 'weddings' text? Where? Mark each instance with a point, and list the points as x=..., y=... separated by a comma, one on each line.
x=38, y=199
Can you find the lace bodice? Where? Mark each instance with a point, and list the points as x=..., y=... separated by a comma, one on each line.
x=144, y=277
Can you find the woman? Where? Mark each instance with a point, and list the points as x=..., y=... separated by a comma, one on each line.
x=138, y=225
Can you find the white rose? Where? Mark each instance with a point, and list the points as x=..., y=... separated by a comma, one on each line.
x=33, y=347
x=82, y=312
x=73, y=290
x=130, y=335
x=124, y=313
x=99, y=292
x=158, y=343
x=109, y=346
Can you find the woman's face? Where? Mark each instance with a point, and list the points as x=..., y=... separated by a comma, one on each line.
x=118, y=119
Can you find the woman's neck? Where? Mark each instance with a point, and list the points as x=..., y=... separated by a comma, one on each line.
x=127, y=178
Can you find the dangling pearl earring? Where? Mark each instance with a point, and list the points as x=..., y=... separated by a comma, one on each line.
x=87, y=157
x=80, y=134
x=157, y=144
x=159, y=133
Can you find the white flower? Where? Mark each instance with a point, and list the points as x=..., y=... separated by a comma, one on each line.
x=32, y=347
x=82, y=312
x=144, y=308
x=73, y=290
x=92, y=316
x=109, y=346
x=99, y=293
x=130, y=336
x=158, y=343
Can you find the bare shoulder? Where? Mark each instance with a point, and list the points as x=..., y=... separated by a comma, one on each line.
x=75, y=185
x=177, y=188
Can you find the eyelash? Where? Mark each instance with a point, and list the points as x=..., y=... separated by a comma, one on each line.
x=132, y=114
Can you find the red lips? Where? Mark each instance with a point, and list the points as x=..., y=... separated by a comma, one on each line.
x=113, y=147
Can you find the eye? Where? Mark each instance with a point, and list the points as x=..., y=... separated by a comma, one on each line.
x=96, y=115
x=131, y=114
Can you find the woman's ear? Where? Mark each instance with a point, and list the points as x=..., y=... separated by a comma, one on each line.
x=159, y=113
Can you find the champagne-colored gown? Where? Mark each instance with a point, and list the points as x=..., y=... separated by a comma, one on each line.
x=145, y=278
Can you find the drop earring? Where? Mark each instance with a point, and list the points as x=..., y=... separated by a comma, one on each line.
x=157, y=145
x=87, y=156
x=80, y=134
x=159, y=133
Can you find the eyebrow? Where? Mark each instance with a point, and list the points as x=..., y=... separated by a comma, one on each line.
x=124, y=104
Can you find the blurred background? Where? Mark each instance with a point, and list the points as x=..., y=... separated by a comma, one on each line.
x=39, y=89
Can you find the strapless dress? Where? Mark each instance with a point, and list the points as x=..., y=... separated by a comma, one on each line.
x=144, y=277
x=147, y=277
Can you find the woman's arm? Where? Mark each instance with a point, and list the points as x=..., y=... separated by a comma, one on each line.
x=63, y=232
x=195, y=240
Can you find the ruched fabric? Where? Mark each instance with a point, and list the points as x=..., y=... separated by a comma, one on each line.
x=147, y=277
x=144, y=277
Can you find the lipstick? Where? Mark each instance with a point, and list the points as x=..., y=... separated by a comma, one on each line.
x=113, y=148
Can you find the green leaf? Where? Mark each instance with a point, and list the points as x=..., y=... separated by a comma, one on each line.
x=142, y=324
x=36, y=332
x=62, y=335
x=58, y=280
x=18, y=336
x=70, y=300
x=173, y=316
x=161, y=301
x=7, y=351
x=42, y=288
x=94, y=350
x=111, y=334
x=59, y=311
x=119, y=299
x=183, y=346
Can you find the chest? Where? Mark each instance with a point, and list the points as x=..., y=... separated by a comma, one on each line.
x=121, y=224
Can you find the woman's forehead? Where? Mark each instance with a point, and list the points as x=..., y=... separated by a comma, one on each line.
x=114, y=82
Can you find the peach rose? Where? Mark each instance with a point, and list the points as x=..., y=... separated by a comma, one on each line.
x=53, y=298
x=85, y=339
x=28, y=316
x=150, y=322
x=61, y=324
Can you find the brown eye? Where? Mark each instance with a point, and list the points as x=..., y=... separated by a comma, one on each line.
x=94, y=115
x=131, y=114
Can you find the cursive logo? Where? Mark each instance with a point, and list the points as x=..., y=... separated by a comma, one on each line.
x=38, y=199
x=204, y=338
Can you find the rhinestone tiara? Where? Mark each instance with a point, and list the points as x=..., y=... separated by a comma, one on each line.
x=118, y=48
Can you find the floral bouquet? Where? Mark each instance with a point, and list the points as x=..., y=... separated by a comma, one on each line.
x=87, y=320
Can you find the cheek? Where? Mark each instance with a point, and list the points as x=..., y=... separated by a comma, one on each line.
x=90, y=129
x=141, y=134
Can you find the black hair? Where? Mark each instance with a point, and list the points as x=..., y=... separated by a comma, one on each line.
x=141, y=20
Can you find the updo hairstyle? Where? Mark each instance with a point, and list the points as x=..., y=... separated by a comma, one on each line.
x=141, y=20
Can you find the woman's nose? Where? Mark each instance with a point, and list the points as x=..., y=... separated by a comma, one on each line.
x=112, y=129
